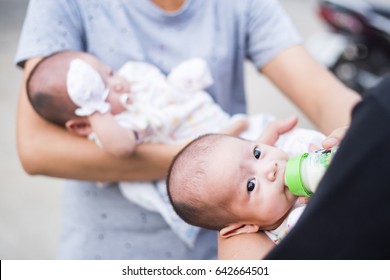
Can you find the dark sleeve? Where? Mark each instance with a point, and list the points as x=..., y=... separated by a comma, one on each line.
x=349, y=215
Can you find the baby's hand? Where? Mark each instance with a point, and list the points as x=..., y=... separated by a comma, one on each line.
x=276, y=128
x=125, y=99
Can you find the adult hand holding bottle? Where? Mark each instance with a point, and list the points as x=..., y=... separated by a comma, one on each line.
x=335, y=137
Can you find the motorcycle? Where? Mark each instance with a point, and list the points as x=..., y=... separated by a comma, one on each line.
x=357, y=50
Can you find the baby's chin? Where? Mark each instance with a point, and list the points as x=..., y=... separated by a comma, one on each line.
x=290, y=196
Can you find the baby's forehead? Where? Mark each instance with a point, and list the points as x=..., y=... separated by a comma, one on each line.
x=229, y=142
x=230, y=150
x=227, y=158
x=221, y=175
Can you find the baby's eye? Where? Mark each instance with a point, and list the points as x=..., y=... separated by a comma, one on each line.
x=251, y=185
x=256, y=152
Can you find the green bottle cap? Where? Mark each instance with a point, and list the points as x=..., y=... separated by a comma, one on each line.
x=293, y=176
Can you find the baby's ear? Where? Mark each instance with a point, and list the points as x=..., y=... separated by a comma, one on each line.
x=79, y=127
x=237, y=228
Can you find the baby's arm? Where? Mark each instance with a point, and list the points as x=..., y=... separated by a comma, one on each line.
x=116, y=140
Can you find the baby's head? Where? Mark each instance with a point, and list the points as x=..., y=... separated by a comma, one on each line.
x=46, y=88
x=229, y=184
x=48, y=93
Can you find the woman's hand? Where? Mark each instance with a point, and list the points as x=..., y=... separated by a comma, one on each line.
x=332, y=140
x=335, y=137
x=323, y=99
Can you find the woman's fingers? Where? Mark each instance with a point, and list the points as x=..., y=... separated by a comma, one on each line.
x=335, y=137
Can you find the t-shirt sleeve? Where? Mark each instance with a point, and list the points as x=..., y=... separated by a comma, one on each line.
x=269, y=31
x=49, y=26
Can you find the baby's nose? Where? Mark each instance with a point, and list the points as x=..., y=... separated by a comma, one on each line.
x=271, y=172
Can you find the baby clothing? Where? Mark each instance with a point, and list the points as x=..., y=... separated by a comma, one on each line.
x=281, y=231
x=172, y=109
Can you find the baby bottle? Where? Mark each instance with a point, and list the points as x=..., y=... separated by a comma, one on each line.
x=303, y=173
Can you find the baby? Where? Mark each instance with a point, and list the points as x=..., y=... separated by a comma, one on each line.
x=76, y=90
x=235, y=186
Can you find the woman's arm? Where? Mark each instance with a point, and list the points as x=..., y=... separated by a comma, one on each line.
x=249, y=246
x=324, y=99
x=46, y=149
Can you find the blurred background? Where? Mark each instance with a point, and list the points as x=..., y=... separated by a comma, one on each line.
x=30, y=206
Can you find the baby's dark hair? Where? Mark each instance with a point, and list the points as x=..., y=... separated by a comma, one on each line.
x=46, y=88
x=187, y=189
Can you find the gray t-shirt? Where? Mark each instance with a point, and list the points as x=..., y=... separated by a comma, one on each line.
x=99, y=223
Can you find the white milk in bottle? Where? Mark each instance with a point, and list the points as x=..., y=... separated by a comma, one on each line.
x=304, y=172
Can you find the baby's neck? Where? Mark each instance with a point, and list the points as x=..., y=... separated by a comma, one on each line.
x=278, y=222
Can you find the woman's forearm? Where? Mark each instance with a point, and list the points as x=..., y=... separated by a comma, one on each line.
x=324, y=99
x=46, y=149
